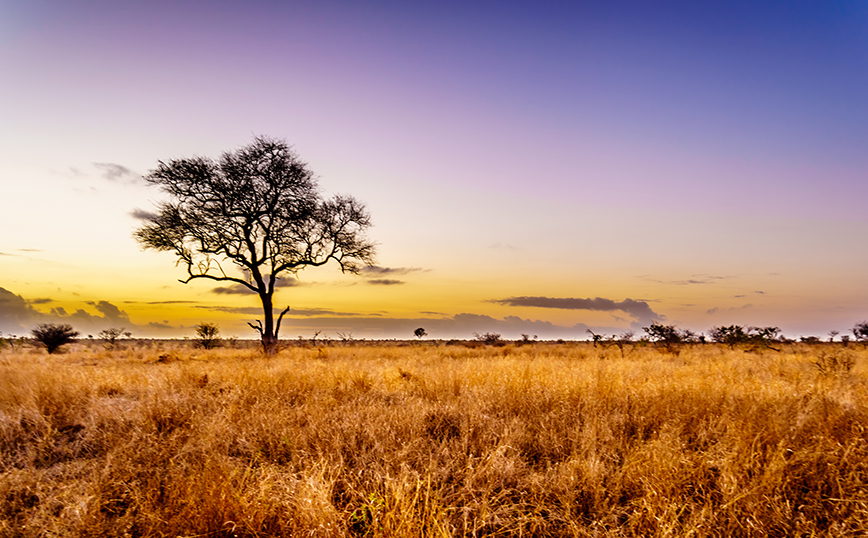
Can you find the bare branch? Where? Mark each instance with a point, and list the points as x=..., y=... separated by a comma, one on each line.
x=279, y=319
x=257, y=327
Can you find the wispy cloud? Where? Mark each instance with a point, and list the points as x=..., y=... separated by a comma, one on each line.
x=717, y=310
x=141, y=214
x=118, y=173
x=639, y=310
x=161, y=302
x=692, y=281
x=382, y=274
x=240, y=289
x=293, y=312
x=376, y=270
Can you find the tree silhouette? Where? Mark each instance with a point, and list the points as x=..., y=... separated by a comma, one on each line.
x=53, y=336
x=207, y=335
x=260, y=209
x=860, y=331
x=111, y=335
x=420, y=332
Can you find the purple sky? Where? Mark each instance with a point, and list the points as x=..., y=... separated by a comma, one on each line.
x=618, y=150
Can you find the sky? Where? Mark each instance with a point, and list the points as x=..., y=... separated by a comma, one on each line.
x=540, y=168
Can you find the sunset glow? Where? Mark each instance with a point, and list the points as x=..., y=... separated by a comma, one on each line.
x=538, y=170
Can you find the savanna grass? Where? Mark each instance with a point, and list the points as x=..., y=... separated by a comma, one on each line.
x=427, y=440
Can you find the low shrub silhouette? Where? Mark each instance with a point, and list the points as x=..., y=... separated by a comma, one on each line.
x=53, y=336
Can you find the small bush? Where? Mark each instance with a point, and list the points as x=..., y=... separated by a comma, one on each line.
x=53, y=336
x=488, y=338
x=207, y=335
x=111, y=335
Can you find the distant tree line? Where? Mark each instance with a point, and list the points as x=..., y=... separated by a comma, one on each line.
x=53, y=336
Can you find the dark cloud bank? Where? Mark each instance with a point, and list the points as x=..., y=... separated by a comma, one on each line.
x=17, y=315
x=462, y=326
x=638, y=310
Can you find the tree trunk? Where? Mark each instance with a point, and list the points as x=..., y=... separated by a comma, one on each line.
x=269, y=338
x=269, y=344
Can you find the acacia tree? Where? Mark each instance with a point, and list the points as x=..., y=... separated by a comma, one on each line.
x=53, y=335
x=258, y=207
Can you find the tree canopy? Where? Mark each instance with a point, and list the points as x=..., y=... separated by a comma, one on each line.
x=260, y=208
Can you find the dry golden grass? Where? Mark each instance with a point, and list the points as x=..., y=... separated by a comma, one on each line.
x=425, y=440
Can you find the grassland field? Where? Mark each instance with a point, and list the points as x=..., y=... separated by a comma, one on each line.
x=426, y=439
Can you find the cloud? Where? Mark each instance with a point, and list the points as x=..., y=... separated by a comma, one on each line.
x=376, y=270
x=717, y=310
x=462, y=326
x=110, y=312
x=639, y=310
x=17, y=314
x=240, y=289
x=693, y=280
x=118, y=173
x=141, y=214
x=385, y=282
x=161, y=302
x=20, y=250
x=246, y=310
x=160, y=326
x=232, y=289
x=293, y=312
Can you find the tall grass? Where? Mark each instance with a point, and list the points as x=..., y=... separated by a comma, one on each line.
x=533, y=440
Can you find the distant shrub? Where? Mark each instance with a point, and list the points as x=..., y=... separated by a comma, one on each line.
x=487, y=338
x=751, y=337
x=111, y=335
x=668, y=336
x=731, y=335
x=207, y=335
x=53, y=336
